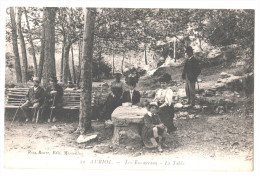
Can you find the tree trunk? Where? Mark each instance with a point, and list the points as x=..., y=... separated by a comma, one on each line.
x=66, y=68
x=49, y=69
x=31, y=43
x=73, y=67
x=174, y=50
x=23, y=46
x=62, y=58
x=86, y=72
x=145, y=57
x=79, y=67
x=122, y=65
x=41, y=62
x=15, y=47
x=113, y=63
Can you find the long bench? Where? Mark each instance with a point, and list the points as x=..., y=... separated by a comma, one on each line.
x=14, y=97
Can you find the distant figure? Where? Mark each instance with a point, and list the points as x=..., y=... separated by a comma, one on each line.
x=164, y=99
x=190, y=74
x=153, y=127
x=35, y=98
x=70, y=84
x=114, y=99
x=54, y=94
x=117, y=85
x=132, y=95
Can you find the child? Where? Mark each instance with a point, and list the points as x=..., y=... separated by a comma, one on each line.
x=153, y=128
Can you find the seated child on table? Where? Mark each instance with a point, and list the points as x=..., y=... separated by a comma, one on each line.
x=153, y=127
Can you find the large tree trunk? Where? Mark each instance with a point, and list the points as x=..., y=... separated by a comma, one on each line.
x=41, y=62
x=86, y=72
x=62, y=58
x=145, y=56
x=122, y=65
x=49, y=68
x=31, y=43
x=79, y=67
x=73, y=67
x=66, y=68
x=113, y=63
x=23, y=46
x=15, y=47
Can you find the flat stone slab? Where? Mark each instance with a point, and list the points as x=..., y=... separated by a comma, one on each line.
x=124, y=115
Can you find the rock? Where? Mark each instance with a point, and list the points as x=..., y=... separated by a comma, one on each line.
x=54, y=128
x=219, y=80
x=219, y=85
x=209, y=93
x=197, y=107
x=87, y=138
x=197, y=116
x=224, y=75
x=183, y=118
x=178, y=106
x=199, y=80
x=101, y=149
x=191, y=116
x=186, y=106
x=183, y=114
x=220, y=109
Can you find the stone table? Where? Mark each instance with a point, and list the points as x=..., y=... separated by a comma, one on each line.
x=128, y=121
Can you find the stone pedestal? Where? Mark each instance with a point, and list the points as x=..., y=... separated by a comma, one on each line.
x=128, y=121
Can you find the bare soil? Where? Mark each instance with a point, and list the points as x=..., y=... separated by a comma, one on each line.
x=210, y=142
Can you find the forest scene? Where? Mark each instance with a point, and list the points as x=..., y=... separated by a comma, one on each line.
x=87, y=48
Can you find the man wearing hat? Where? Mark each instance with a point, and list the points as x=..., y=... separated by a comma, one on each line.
x=190, y=74
x=54, y=94
x=35, y=98
x=132, y=95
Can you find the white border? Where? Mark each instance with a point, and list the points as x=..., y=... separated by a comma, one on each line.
x=249, y=4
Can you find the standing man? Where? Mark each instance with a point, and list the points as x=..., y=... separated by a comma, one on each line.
x=132, y=95
x=190, y=73
x=35, y=98
x=54, y=94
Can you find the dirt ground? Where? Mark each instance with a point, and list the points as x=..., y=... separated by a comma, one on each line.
x=210, y=142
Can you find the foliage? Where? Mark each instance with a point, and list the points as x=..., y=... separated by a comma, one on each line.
x=132, y=75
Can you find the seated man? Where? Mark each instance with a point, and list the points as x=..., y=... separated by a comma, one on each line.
x=132, y=95
x=54, y=94
x=35, y=98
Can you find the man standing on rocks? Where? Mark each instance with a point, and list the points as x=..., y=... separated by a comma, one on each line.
x=190, y=73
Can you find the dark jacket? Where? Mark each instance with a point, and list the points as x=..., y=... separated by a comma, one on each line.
x=59, y=95
x=192, y=69
x=36, y=96
x=135, y=97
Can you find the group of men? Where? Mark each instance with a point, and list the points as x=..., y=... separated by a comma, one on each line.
x=52, y=96
x=37, y=97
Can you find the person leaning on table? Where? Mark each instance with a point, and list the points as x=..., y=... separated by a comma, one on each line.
x=34, y=98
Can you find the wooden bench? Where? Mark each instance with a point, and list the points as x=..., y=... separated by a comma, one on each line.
x=71, y=97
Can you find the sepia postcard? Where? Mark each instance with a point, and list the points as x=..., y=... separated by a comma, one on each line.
x=129, y=88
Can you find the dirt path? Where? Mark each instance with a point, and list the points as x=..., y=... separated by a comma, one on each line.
x=215, y=141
